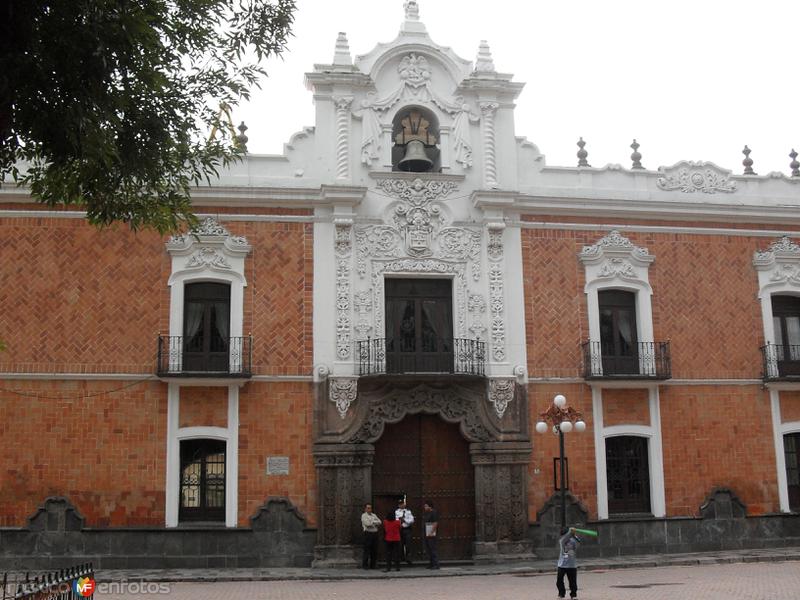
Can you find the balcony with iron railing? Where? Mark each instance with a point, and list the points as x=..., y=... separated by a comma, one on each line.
x=227, y=358
x=388, y=356
x=646, y=360
x=780, y=362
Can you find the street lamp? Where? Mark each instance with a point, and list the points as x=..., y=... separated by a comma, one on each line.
x=562, y=419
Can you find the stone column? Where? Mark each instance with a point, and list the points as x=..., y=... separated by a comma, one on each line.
x=501, y=501
x=344, y=479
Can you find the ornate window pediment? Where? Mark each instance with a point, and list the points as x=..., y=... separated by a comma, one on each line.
x=779, y=264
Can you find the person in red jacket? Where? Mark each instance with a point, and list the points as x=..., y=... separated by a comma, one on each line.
x=391, y=535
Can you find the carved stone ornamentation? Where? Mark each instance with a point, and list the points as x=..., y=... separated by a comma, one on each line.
x=414, y=70
x=417, y=192
x=784, y=245
x=501, y=393
x=690, y=177
x=617, y=267
x=343, y=250
x=494, y=247
x=497, y=308
x=342, y=391
x=342, y=136
x=779, y=264
x=208, y=257
x=376, y=241
x=451, y=406
x=488, y=110
x=615, y=241
x=476, y=304
x=459, y=243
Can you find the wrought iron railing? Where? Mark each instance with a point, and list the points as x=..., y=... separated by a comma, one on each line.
x=231, y=359
x=780, y=362
x=449, y=355
x=64, y=584
x=647, y=360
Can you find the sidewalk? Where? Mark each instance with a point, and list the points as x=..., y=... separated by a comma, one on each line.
x=530, y=568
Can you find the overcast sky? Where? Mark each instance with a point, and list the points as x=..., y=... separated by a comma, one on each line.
x=694, y=80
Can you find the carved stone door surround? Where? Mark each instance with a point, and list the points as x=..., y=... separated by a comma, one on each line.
x=499, y=448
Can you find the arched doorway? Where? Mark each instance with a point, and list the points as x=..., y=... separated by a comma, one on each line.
x=425, y=458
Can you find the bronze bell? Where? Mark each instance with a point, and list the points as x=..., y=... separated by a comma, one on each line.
x=416, y=159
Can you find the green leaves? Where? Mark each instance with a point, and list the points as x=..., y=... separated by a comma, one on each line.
x=108, y=105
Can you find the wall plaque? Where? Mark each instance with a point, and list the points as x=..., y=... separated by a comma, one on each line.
x=277, y=465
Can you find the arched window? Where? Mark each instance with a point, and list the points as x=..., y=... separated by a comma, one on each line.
x=202, y=484
x=618, y=335
x=786, y=321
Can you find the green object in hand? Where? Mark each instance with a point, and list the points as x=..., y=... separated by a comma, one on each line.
x=587, y=532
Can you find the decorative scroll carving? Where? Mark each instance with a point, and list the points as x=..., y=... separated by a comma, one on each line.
x=690, y=177
x=377, y=241
x=208, y=227
x=410, y=265
x=208, y=257
x=362, y=303
x=617, y=266
x=459, y=243
x=501, y=393
x=497, y=307
x=452, y=407
x=786, y=273
x=418, y=191
x=783, y=245
x=343, y=248
x=342, y=391
x=488, y=110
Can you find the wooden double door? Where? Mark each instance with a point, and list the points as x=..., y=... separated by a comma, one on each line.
x=425, y=458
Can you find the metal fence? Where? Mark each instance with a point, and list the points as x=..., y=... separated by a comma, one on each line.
x=72, y=583
x=780, y=361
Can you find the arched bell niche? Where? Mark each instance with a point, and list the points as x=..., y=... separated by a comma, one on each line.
x=415, y=138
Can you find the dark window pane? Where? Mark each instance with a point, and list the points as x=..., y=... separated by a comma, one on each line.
x=628, y=475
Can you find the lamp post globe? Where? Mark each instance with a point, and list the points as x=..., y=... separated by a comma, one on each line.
x=580, y=426
x=566, y=426
x=541, y=427
x=560, y=400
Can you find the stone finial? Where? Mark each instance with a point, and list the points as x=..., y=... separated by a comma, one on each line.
x=636, y=157
x=341, y=55
x=748, y=162
x=242, y=139
x=484, y=60
x=412, y=10
x=582, y=154
x=794, y=165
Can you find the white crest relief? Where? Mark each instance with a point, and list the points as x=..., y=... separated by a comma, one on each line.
x=617, y=267
x=459, y=243
x=363, y=328
x=786, y=273
x=362, y=302
x=501, y=393
x=690, y=177
x=208, y=257
x=342, y=391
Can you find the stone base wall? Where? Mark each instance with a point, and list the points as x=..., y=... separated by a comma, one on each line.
x=23, y=550
x=677, y=535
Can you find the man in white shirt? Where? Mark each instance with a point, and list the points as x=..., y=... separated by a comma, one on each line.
x=406, y=519
x=370, y=524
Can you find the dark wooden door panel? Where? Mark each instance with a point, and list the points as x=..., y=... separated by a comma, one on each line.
x=426, y=458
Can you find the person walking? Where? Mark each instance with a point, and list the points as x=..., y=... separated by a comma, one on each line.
x=391, y=535
x=431, y=518
x=406, y=518
x=370, y=523
x=568, y=562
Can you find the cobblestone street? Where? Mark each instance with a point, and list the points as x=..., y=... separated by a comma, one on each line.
x=746, y=581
